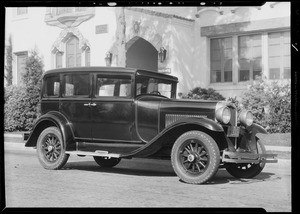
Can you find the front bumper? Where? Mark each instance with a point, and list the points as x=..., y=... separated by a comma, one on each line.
x=243, y=157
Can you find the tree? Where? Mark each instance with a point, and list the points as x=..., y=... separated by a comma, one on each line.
x=9, y=59
x=21, y=106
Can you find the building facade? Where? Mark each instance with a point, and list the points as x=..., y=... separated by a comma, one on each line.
x=219, y=47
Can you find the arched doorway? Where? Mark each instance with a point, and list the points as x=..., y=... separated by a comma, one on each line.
x=141, y=54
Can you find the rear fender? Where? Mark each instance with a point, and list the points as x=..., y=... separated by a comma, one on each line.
x=52, y=118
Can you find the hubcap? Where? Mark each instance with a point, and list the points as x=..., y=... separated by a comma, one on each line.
x=191, y=158
x=194, y=157
x=50, y=148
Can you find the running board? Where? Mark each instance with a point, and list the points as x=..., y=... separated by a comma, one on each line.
x=96, y=153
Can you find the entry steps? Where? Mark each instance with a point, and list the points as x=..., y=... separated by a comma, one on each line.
x=96, y=153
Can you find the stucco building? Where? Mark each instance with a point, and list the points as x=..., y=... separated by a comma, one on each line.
x=218, y=47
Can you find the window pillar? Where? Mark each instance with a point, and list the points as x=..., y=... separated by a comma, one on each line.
x=265, y=55
x=235, y=67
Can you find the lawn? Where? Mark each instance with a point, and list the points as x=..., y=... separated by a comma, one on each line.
x=276, y=139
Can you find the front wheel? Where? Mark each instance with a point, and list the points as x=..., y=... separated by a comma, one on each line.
x=195, y=157
x=51, y=149
x=105, y=162
x=247, y=170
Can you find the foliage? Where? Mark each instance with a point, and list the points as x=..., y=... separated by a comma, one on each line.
x=203, y=94
x=270, y=103
x=9, y=59
x=236, y=102
x=22, y=102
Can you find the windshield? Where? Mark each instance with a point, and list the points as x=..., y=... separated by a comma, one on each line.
x=151, y=85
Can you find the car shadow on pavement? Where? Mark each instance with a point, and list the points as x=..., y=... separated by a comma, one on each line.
x=127, y=168
x=223, y=176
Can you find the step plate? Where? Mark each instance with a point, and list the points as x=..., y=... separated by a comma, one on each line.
x=97, y=153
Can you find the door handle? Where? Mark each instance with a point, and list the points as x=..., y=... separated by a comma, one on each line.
x=93, y=104
x=87, y=104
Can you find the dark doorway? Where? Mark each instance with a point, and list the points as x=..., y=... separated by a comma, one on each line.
x=141, y=54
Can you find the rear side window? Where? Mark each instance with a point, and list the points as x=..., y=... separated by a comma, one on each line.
x=51, y=86
x=113, y=86
x=77, y=85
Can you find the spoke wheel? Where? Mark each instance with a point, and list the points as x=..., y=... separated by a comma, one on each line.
x=247, y=170
x=51, y=149
x=105, y=162
x=195, y=157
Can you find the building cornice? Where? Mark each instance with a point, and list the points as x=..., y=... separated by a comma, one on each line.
x=249, y=26
x=159, y=14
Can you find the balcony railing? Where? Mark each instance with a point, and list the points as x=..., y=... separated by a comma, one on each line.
x=57, y=11
x=68, y=16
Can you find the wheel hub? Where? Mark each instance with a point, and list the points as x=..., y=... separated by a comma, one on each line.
x=191, y=157
x=50, y=148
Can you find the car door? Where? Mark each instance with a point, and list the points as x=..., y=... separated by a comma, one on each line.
x=112, y=108
x=75, y=103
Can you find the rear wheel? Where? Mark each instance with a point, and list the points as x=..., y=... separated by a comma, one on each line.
x=106, y=162
x=247, y=170
x=195, y=157
x=51, y=149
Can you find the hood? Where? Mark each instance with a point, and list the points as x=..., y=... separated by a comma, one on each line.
x=205, y=108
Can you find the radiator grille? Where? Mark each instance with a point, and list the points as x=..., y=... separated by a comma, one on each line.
x=233, y=120
x=172, y=118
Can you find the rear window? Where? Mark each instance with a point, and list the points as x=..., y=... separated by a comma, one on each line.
x=51, y=86
x=76, y=85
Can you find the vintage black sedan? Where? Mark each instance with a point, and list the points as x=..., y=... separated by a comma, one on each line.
x=112, y=113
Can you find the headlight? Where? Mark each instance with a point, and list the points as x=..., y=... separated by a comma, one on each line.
x=246, y=118
x=223, y=115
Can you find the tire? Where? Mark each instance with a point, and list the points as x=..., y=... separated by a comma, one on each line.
x=51, y=149
x=106, y=162
x=248, y=170
x=195, y=157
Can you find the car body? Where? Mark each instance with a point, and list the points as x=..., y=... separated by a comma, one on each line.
x=112, y=113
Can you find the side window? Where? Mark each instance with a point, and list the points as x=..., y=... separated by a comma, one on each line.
x=76, y=85
x=113, y=86
x=51, y=86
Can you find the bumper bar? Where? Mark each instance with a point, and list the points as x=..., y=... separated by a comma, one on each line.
x=239, y=157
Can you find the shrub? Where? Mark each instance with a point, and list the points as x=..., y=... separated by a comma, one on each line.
x=15, y=109
x=270, y=103
x=21, y=107
x=235, y=102
x=203, y=94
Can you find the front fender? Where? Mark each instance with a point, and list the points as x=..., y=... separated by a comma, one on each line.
x=52, y=118
x=248, y=139
x=255, y=128
x=158, y=142
x=202, y=121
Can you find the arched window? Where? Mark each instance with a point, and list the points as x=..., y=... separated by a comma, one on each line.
x=73, y=52
x=58, y=59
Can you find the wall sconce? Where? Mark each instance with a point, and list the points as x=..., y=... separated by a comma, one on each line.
x=108, y=59
x=162, y=54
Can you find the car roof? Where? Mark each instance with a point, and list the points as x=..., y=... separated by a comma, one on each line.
x=111, y=70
